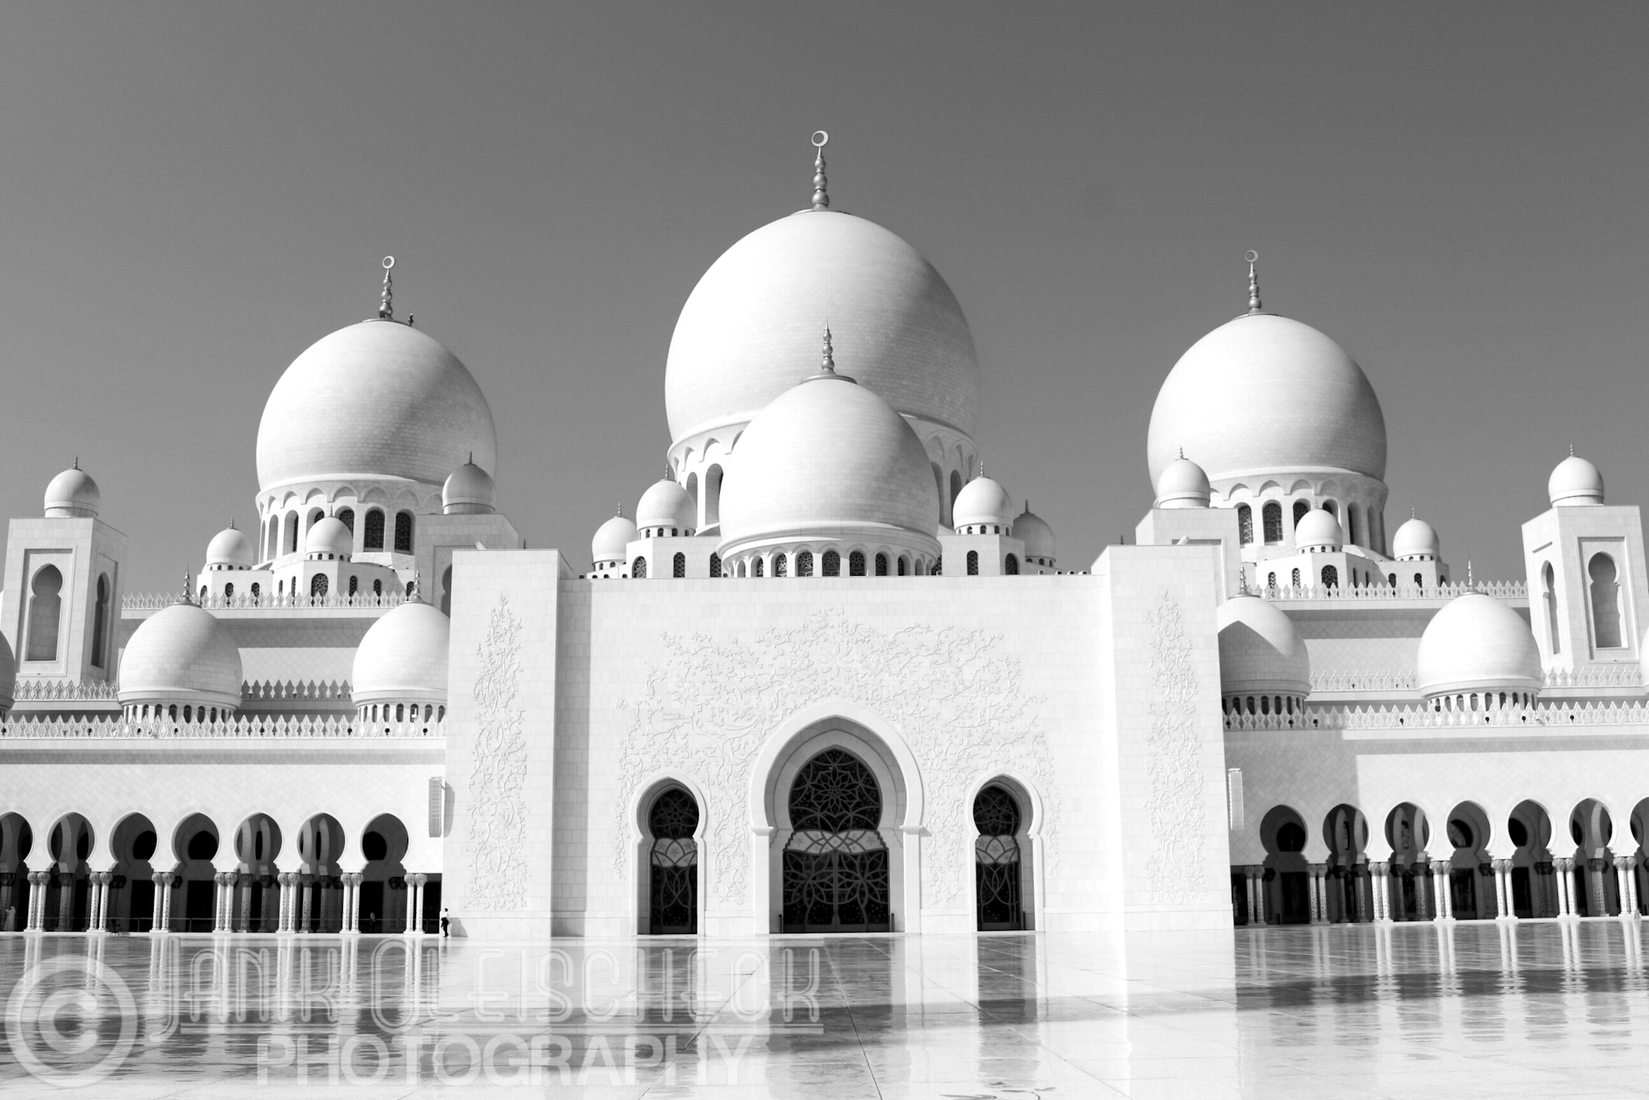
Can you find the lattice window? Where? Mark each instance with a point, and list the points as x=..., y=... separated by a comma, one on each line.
x=678, y=566
x=832, y=564
x=856, y=564
x=804, y=564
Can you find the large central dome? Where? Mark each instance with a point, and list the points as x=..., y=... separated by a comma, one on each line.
x=757, y=313
x=376, y=400
x=1266, y=395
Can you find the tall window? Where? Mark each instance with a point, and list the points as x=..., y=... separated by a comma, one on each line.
x=678, y=566
x=757, y=568
x=1605, y=601
x=804, y=563
x=1294, y=578
x=374, y=534
x=1331, y=577
x=973, y=563
x=1245, y=524
x=403, y=532
x=997, y=861
x=45, y=609
x=715, y=565
x=638, y=568
x=1272, y=514
x=673, y=859
x=1354, y=525
x=1011, y=566
x=100, y=621
x=1300, y=508
x=712, y=497
x=291, y=532
x=1548, y=583
x=881, y=565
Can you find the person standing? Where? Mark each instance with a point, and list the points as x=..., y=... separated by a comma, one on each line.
x=446, y=921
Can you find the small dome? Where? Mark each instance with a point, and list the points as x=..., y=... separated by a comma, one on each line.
x=1032, y=530
x=1297, y=366
x=982, y=501
x=1319, y=528
x=376, y=400
x=1575, y=481
x=468, y=490
x=403, y=658
x=1183, y=484
x=330, y=537
x=232, y=548
x=1415, y=539
x=1260, y=651
x=758, y=309
x=612, y=540
x=181, y=654
x=8, y=674
x=666, y=504
x=1477, y=643
x=72, y=493
x=829, y=460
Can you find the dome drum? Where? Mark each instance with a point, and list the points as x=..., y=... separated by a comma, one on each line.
x=854, y=556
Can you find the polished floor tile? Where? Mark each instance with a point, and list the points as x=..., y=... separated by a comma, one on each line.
x=1394, y=1011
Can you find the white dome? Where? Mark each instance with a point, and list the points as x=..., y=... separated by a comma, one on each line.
x=181, y=654
x=982, y=501
x=1416, y=539
x=829, y=460
x=403, y=658
x=1263, y=394
x=329, y=536
x=8, y=674
x=1575, y=481
x=1183, y=484
x=72, y=493
x=232, y=548
x=666, y=504
x=1477, y=643
x=612, y=540
x=1319, y=528
x=468, y=490
x=1260, y=651
x=376, y=400
x=1032, y=530
x=755, y=316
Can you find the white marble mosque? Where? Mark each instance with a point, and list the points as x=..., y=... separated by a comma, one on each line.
x=826, y=676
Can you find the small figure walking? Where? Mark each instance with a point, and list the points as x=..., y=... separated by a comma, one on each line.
x=446, y=920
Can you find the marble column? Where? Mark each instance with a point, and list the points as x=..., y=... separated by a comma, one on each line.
x=65, y=902
x=1422, y=883
x=1444, y=909
x=1596, y=893
x=94, y=899
x=415, y=898
x=1256, y=894
x=159, y=879
x=283, y=902
x=1503, y=888
x=31, y=922
x=1632, y=885
x=1563, y=876
x=245, y=922
x=1379, y=880
x=1626, y=885
x=308, y=891
x=170, y=880
x=352, y=903
x=105, y=889
x=1319, y=898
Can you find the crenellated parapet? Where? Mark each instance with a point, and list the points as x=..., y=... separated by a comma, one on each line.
x=1505, y=590
x=1317, y=717
x=153, y=601
x=294, y=690
x=65, y=691
x=239, y=727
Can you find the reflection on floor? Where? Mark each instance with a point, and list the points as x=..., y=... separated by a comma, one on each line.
x=1402, y=1011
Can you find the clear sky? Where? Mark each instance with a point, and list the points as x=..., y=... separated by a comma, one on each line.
x=191, y=194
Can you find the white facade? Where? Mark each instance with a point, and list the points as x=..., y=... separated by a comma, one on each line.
x=816, y=684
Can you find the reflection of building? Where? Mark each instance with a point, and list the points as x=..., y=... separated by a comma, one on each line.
x=829, y=676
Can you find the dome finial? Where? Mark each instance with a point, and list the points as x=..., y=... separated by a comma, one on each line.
x=1411, y=514
x=821, y=196
x=1253, y=258
x=77, y=458
x=386, y=310
x=827, y=360
x=186, y=580
x=231, y=523
x=1242, y=581
x=1182, y=454
x=1470, y=583
x=1571, y=455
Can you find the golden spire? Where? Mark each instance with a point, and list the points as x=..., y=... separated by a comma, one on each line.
x=386, y=310
x=1253, y=282
x=821, y=194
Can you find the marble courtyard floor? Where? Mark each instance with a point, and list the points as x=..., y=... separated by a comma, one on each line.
x=1409, y=1010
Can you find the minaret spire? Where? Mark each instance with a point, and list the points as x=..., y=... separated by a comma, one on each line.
x=1253, y=258
x=386, y=309
x=821, y=193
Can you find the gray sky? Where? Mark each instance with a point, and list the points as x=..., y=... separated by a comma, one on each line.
x=194, y=193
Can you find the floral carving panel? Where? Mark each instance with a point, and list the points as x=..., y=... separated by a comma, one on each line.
x=1178, y=785
x=710, y=704
x=498, y=807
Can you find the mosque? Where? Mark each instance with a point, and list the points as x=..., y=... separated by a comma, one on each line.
x=827, y=676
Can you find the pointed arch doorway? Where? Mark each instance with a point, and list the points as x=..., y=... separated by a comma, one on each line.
x=837, y=875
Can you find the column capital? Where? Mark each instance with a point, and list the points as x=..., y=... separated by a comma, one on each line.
x=1625, y=863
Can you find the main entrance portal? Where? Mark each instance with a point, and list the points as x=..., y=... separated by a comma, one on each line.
x=835, y=863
